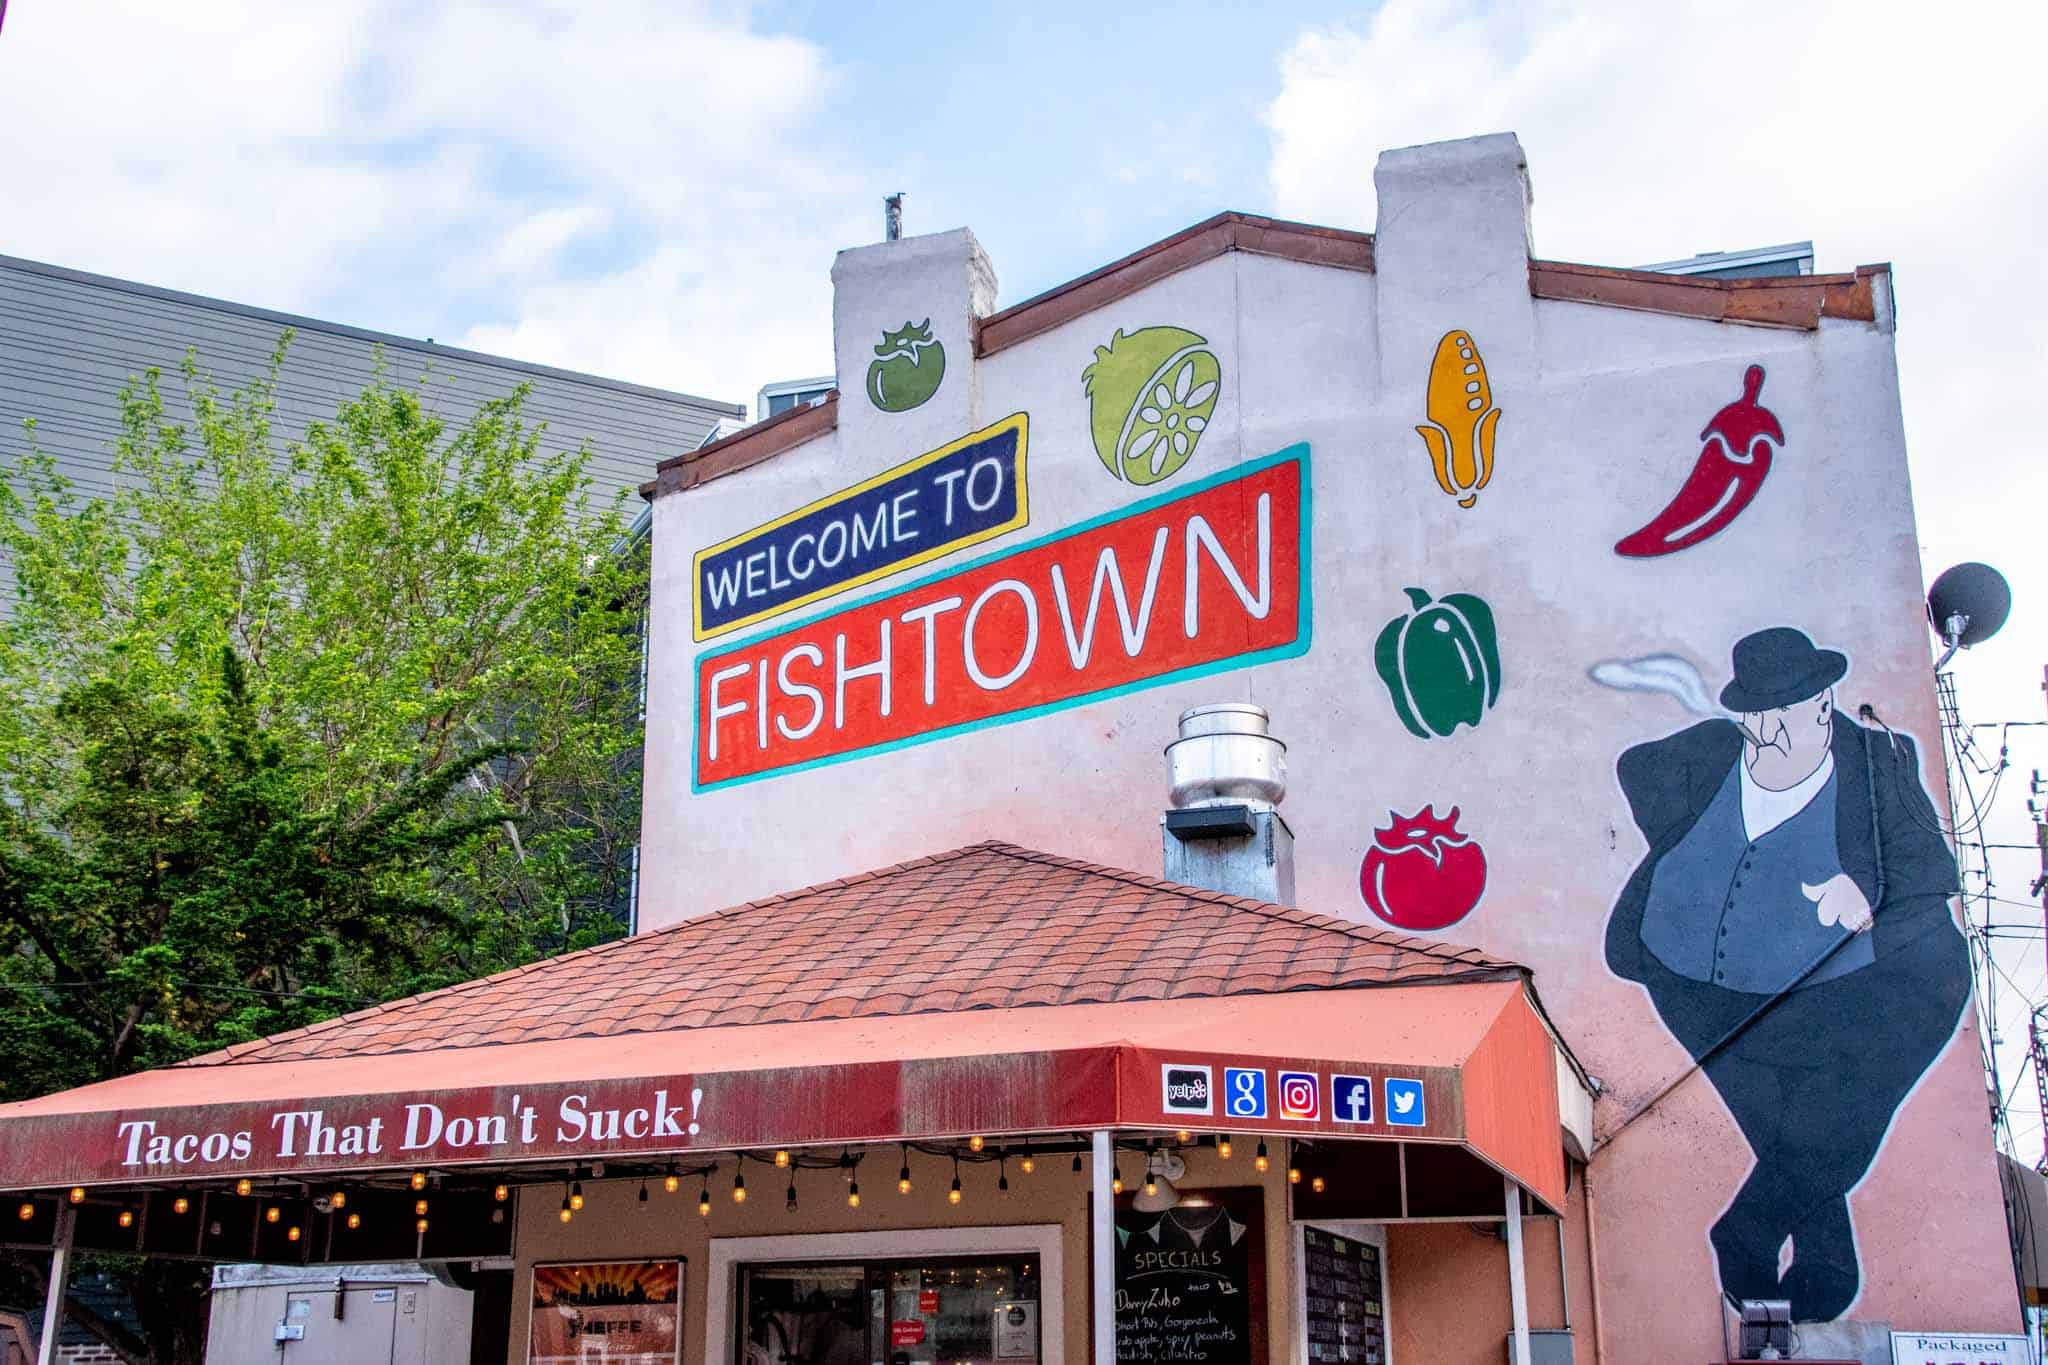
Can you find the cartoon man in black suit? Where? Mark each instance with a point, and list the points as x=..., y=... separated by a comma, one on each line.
x=1791, y=923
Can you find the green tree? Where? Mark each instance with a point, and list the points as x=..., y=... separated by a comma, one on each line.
x=292, y=723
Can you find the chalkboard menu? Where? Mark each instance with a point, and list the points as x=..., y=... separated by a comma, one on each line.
x=1189, y=1282
x=1340, y=1278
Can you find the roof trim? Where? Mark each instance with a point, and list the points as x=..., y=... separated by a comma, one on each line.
x=748, y=446
x=1462, y=965
x=1797, y=301
x=299, y=322
x=1206, y=240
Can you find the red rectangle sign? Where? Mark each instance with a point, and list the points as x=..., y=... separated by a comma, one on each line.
x=1213, y=576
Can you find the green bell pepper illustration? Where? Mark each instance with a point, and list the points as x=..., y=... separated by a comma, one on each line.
x=1440, y=662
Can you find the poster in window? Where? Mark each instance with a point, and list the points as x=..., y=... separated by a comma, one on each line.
x=620, y=1312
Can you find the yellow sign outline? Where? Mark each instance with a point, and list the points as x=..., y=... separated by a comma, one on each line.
x=1019, y=420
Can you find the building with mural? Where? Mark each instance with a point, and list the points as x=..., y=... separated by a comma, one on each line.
x=1556, y=949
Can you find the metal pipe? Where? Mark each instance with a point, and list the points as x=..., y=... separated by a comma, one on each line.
x=1564, y=1278
x=1518, y=1280
x=1102, y=1248
x=60, y=1283
x=1592, y=1264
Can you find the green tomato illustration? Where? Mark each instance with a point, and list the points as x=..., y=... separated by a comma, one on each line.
x=1150, y=395
x=1440, y=662
x=908, y=369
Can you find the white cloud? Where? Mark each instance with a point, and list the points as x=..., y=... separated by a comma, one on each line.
x=1896, y=133
x=640, y=188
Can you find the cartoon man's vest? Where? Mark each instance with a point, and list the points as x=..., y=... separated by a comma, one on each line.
x=1725, y=910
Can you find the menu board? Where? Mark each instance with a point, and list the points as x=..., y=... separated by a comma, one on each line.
x=1340, y=1279
x=1188, y=1288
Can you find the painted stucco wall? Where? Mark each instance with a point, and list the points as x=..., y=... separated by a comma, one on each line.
x=1602, y=412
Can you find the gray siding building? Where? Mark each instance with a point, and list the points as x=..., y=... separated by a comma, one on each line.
x=69, y=341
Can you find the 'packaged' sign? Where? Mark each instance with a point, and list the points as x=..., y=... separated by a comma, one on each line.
x=1958, y=1348
x=1209, y=577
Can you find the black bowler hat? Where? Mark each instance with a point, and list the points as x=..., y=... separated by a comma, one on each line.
x=1779, y=666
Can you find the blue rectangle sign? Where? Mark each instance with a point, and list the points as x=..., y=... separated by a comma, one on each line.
x=961, y=494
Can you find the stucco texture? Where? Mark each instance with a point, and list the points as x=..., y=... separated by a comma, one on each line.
x=1602, y=412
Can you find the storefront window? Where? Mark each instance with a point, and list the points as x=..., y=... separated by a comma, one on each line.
x=922, y=1311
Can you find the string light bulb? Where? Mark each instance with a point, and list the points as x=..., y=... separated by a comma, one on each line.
x=671, y=1182
x=903, y=1175
x=567, y=1212
x=1293, y=1170
x=739, y=1187
x=242, y=1187
x=1259, y=1161
x=1223, y=1148
x=127, y=1218
x=1116, y=1177
x=355, y=1220
x=419, y=1207
x=1317, y=1184
x=1003, y=1176
x=953, y=1193
x=1151, y=1181
x=181, y=1205
x=1183, y=1136
x=576, y=1196
x=1027, y=1163
x=420, y=1226
x=853, y=1194
x=271, y=1214
x=781, y=1157
x=26, y=1212
x=419, y=1180
x=77, y=1195
x=976, y=1143
x=790, y=1197
x=1077, y=1163
x=339, y=1199
x=502, y=1193
x=643, y=1190
x=704, y=1199
x=291, y=1234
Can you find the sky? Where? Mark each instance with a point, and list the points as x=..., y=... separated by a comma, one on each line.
x=654, y=189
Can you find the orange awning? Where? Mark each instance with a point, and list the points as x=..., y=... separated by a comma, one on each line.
x=1470, y=1064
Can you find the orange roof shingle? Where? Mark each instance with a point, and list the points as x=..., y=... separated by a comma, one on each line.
x=987, y=926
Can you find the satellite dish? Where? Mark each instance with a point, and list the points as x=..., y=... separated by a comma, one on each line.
x=1967, y=605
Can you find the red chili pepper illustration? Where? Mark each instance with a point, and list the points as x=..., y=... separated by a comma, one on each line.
x=1733, y=462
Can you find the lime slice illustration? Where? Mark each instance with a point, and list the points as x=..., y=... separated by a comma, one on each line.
x=1151, y=394
x=1169, y=417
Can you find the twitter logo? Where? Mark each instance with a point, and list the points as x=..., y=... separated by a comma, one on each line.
x=1404, y=1103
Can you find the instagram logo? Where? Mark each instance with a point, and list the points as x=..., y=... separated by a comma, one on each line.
x=1298, y=1095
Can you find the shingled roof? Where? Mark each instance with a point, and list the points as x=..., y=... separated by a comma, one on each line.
x=986, y=926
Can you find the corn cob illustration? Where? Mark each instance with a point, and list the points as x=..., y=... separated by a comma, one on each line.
x=1462, y=418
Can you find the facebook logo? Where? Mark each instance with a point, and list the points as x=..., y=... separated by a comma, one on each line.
x=1351, y=1099
x=1404, y=1103
x=1244, y=1092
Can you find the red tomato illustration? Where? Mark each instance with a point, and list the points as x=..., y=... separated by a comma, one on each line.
x=1422, y=871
